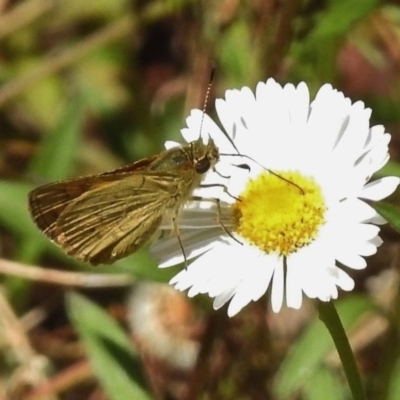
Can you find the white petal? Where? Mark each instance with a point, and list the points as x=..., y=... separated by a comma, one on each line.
x=352, y=260
x=196, y=242
x=223, y=298
x=170, y=144
x=277, y=287
x=252, y=286
x=294, y=295
x=198, y=124
x=379, y=189
x=344, y=281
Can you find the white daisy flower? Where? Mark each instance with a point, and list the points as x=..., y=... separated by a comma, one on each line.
x=297, y=226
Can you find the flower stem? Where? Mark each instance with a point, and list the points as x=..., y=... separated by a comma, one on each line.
x=329, y=316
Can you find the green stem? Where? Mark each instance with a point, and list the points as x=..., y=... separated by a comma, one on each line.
x=329, y=316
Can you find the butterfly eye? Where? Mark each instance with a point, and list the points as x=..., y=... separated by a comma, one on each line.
x=202, y=165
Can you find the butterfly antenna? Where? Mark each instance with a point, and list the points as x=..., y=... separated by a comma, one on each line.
x=210, y=82
x=262, y=166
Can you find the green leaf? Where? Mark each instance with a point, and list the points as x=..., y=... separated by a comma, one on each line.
x=14, y=216
x=316, y=54
x=325, y=384
x=390, y=212
x=236, y=54
x=392, y=168
x=394, y=384
x=341, y=15
x=110, y=351
x=307, y=355
x=55, y=159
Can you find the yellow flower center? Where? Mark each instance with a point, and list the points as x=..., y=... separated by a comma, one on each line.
x=280, y=214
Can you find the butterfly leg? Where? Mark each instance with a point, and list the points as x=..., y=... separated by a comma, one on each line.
x=219, y=219
x=176, y=231
x=242, y=166
x=225, y=189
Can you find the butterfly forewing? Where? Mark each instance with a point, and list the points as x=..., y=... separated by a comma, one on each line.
x=113, y=221
x=47, y=202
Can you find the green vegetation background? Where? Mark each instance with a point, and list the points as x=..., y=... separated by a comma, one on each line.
x=87, y=86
